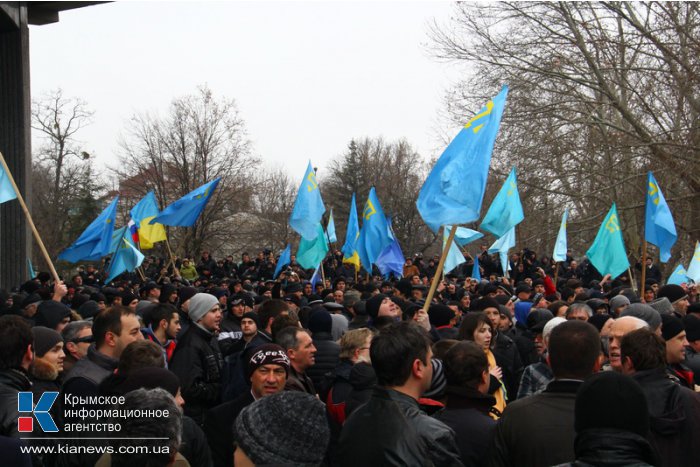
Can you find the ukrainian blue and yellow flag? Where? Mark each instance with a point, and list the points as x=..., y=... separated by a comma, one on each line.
x=145, y=211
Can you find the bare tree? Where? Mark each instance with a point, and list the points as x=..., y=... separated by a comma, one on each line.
x=201, y=138
x=396, y=171
x=601, y=92
x=66, y=195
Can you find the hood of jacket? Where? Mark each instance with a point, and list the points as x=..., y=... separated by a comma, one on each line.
x=663, y=396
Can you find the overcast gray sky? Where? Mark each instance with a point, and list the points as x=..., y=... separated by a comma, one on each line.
x=307, y=76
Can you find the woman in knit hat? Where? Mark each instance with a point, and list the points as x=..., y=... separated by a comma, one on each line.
x=476, y=327
x=47, y=367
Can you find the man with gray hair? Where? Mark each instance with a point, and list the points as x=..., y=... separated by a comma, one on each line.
x=77, y=337
x=579, y=311
x=158, y=452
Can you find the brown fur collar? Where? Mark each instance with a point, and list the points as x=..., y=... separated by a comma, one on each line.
x=43, y=369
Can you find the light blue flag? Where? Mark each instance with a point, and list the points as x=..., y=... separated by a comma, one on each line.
x=30, y=269
x=308, y=207
x=476, y=272
x=454, y=189
x=693, y=271
x=501, y=246
x=185, y=211
x=505, y=211
x=560, y=246
x=679, y=276
x=465, y=236
x=391, y=259
x=7, y=192
x=284, y=259
x=96, y=239
x=117, y=236
x=330, y=230
x=126, y=258
x=374, y=234
x=352, y=234
x=312, y=251
x=659, y=228
x=454, y=257
x=146, y=207
x=316, y=277
x=607, y=253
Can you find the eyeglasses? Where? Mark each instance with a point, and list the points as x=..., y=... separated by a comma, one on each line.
x=82, y=340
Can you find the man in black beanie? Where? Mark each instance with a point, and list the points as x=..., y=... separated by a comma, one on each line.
x=612, y=422
x=692, y=350
x=673, y=333
x=674, y=410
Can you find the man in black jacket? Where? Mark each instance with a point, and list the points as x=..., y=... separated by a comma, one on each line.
x=268, y=368
x=16, y=354
x=405, y=435
x=674, y=410
x=469, y=404
x=197, y=360
x=327, y=350
x=574, y=355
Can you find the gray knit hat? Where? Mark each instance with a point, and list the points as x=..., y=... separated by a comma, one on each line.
x=662, y=305
x=643, y=312
x=289, y=427
x=200, y=305
x=617, y=301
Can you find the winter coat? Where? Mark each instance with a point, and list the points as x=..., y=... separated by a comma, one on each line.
x=606, y=447
x=218, y=426
x=537, y=430
x=674, y=418
x=363, y=379
x=189, y=272
x=327, y=357
x=299, y=382
x=44, y=377
x=11, y=382
x=197, y=361
x=391, y=430
x=508, y=358
x=467, y=413
x=168, y=347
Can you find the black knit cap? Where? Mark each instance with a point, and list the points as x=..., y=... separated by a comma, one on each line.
x=692, y=328
x=287, y=428
x=671, y=326
x=440, y=315
x=44, y=340
x=373, y=304
x=50, y=313
x=483, y=303
x=611, y=400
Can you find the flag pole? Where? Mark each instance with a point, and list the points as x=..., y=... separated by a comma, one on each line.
x=37, y=237
x=438, y=271
x=170, y=252
x=644, y=268
x=634, y=286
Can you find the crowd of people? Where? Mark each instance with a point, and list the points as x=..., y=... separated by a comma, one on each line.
x=546, y=364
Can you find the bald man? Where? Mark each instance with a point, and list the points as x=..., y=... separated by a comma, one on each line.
x=618, y=330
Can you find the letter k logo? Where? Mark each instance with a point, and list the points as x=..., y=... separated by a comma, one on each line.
x=25, y=403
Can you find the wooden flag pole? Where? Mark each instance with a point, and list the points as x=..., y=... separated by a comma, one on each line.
x=634, y=286
x=172, y=260
x=323, y=275
x=644, y=268
x=37, y=237
x=438, y=271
